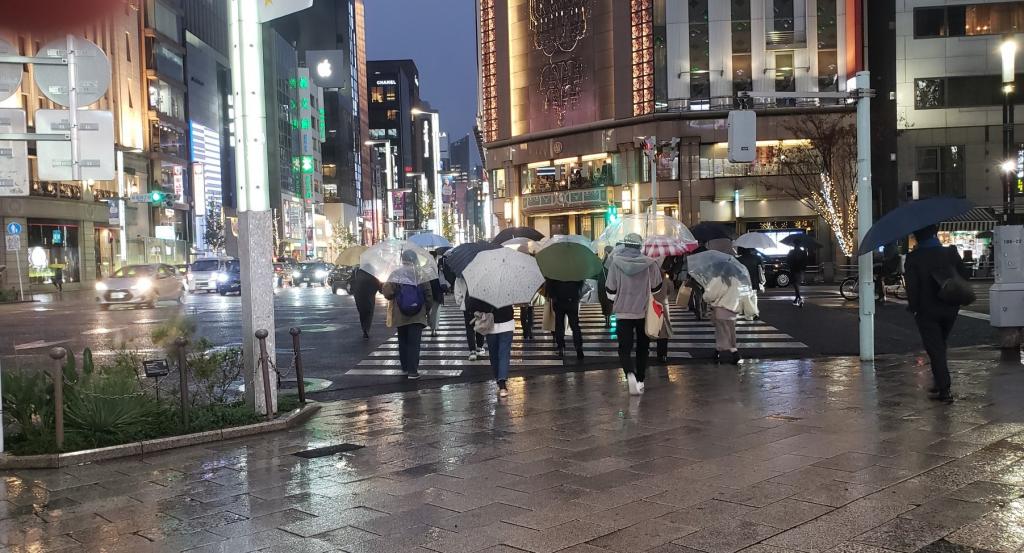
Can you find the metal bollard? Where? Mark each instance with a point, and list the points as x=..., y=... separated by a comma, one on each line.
x=181, y=342
x=57, y=354
x=261, y=335
x=299, y=379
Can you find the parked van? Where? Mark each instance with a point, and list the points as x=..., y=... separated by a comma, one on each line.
x=203, y=273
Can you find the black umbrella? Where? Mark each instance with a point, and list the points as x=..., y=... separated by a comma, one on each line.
x=706, y=232
x=518, y=232
x=907, y=218
x=458, y=258
x=801, y=240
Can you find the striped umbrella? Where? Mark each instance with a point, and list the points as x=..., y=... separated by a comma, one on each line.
x=666, y=246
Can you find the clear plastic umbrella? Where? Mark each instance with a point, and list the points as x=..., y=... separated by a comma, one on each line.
x=524, y=245
x=566, y=238
x=706, y=266
x=646, y=224
x=399, y=261
x=503, y=277
x=430, y=240
x=755, y=241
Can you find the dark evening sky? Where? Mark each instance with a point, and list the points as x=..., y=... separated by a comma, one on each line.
x=440, y=36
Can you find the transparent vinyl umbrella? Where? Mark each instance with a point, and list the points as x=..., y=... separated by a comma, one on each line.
x=646, y=225
x=706, y=266
x=399, y=261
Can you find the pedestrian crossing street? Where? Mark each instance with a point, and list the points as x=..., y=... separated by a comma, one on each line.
x=445, y=355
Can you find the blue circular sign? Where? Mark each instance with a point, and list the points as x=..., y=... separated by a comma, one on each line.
x=13, y=228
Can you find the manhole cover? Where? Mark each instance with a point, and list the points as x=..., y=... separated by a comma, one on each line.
x=328, y=450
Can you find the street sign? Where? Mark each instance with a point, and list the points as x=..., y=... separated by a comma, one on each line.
x=273, y=9
x=742, y=132
x=155, y=368
x=96, y=145
x=13, y=228
x=13, y=242
x=92, y=73
x=139, y=198
x=13, y=153
x=10, y=73
x=113, y=212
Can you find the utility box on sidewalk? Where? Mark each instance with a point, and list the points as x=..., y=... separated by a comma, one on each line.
x=1006, y=297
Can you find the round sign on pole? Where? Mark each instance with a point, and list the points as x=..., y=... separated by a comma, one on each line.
x=10, y=73
x=92, y=69
x=13, y=228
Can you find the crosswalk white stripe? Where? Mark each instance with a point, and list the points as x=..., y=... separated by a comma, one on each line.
x=398, y=372
x=588, y=349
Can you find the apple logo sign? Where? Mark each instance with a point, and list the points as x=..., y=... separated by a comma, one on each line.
x=324, y=69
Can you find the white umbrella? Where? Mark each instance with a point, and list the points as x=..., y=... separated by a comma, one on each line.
x=522, y=244
x=566, y=238
x=399, y=261
x=503, y=277
x=755, y=241
x=429, y=240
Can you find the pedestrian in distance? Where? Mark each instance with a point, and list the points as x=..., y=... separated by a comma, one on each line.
x=497, y=324
x=565, y=303
x=755, y=266
x=662, y=296
x=602, y=292
x=437, y=297
x=797, y=260
x=408, y=308
x=928, y=268
x=364, y=288
x=58, y=278
x=467, y=305
x=632, y=278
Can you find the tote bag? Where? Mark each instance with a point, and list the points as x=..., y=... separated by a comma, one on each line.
x=656, y=313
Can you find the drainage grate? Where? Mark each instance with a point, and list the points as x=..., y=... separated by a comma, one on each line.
x=328, y=450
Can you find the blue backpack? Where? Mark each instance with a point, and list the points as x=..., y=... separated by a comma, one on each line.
x=410, y=299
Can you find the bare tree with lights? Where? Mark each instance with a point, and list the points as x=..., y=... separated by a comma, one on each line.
x=822, y=173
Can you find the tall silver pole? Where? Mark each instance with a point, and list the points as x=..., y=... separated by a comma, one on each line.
x=76, y=165
x=865, y=217
x=654, y=175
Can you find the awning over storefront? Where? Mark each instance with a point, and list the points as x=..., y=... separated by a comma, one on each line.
x=977, y=219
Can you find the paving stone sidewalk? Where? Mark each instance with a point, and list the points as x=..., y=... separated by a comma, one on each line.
x=771, y=457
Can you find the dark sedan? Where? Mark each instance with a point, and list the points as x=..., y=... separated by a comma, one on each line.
x=310, y=273
x=229, y=281
x=340, y=278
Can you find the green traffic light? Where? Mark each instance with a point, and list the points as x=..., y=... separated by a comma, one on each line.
x=156, y=196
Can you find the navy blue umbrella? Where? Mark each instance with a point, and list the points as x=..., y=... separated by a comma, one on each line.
x=801, y=240
x=458, y=258
x=907, y=218
x=706, y=232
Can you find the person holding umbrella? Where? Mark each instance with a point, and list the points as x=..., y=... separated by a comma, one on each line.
x=796, y=260
x=565, y=302
x=469, y=306
x=364, y=288
x=409, y=302
x=632, y=278
x=755, y=266
x=565, y=262
x=602, y=291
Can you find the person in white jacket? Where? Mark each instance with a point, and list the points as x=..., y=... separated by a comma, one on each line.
x=729, y=299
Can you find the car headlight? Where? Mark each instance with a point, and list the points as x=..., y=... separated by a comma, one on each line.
x=296, y=274
x=222, y=277
x=101, y=287
x=321, y=274
x=143, y=285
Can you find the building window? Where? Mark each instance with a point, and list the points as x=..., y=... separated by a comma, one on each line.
x=643, y=55
x=969, y=20
x=377, y=94
x=940, y=171
x=390, y=93
x=700, y=51
x=828, y=26
x=392, y=115
x=377, y=134
x=500, y=186
x=50, y=246
x=127, y=46
x=828, y=71
x=968, y=91
x=742, y=71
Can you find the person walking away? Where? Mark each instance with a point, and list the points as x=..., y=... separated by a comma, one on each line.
x=755, y=266
x=464, y=301
x=409, y=305
x=926, y=265
x=526, y=316
x=724, y=295
x=565, y=302
x=437, y=295
x=662, y=296
x=632, y=278
x=58, y=278
x=796, y=259
x=602, y=293
x=364, y=288
x=498, y=328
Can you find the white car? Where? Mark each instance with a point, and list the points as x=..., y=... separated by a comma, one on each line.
x=203, y=273
x=143, y=285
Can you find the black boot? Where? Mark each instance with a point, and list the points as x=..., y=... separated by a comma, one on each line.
x=560, y=352
x=579, y=354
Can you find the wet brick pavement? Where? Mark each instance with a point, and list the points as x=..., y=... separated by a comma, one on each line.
x=771, y=457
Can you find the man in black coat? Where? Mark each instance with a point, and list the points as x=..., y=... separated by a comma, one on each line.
x=797, y=261
x=565, y=302
x=935, y=318
x=364, y=288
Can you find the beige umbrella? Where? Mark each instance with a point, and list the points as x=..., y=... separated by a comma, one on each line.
x=350, y=257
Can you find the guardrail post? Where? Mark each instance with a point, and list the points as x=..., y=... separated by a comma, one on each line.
x=299, y=377
x=57, y=354
x=181, y=342
x=261, y=335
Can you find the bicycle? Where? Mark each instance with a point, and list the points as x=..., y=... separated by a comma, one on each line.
x=895, y=285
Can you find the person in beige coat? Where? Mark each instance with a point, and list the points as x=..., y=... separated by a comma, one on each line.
x=410, y=325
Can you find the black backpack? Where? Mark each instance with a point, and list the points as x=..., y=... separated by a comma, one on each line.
x=953, y=288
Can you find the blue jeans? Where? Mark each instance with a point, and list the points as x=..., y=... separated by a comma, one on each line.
x=409, y=337
x=500, y=346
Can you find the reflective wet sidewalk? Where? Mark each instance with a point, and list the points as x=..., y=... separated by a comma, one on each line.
x=771, y=457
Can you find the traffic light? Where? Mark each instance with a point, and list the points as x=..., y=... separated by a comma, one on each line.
x=611, y=216
x=157, y=197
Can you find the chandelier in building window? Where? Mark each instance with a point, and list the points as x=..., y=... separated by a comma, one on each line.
x=558, y=26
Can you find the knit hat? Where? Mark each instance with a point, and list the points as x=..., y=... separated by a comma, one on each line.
x=409, y=256
x=633, y=240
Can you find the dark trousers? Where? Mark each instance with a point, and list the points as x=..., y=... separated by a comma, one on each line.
x=526, y=320
x=935, y=334
x=409, y=337
x=474, y=340
x=798, y=279
x=365, y=310
x=632, y=331
x=572, y=312
x=662, y=347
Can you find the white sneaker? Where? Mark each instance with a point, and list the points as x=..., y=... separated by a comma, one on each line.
x=482, y=352
x=640, y=388
x=502, y=392
x=472, y=356
x=632, y=384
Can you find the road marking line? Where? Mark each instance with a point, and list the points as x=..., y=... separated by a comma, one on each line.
x=38, y=344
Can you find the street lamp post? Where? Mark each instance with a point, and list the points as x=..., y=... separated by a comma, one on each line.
x=389, y=167
x=435, y=158
x=1008, y=49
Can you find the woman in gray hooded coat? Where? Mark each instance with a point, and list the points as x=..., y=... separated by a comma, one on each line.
x=632, y=278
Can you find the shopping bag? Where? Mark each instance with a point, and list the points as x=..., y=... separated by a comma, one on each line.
x=589, y=293
x=683, y=296
x=655, y=319
x=548, y=323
